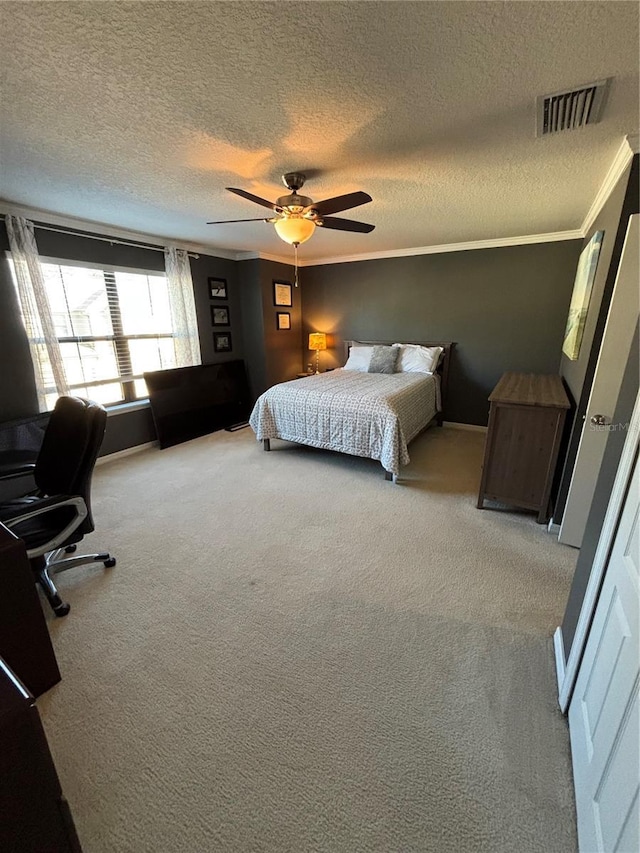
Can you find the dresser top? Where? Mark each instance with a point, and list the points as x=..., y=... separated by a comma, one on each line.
x=530, y=389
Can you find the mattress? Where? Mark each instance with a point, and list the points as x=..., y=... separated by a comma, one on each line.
x=374, y=415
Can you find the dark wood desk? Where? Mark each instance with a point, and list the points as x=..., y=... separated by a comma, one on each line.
x=25, y=644
x=35, y=815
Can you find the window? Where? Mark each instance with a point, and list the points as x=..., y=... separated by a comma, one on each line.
x=112, y=326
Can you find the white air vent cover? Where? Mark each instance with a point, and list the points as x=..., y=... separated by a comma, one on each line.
x=570, y=109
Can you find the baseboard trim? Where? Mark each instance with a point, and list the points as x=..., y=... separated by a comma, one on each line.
x=558, y=648
x=128, y=451
x=468, y=427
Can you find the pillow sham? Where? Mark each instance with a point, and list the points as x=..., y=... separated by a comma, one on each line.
x=414, y=358
x=359, y=358
x=383, y=359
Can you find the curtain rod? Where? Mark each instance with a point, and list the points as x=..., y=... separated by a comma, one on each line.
x=113, y=240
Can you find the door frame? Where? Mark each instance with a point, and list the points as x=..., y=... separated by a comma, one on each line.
x=567, y=673
x=617, y=332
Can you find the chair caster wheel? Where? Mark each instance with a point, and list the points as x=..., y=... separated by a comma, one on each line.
x=110, y=563
x=62, y=609
x=70, y=549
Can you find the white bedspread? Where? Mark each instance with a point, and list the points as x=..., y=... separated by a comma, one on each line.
x=364, y=414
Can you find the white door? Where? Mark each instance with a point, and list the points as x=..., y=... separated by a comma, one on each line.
x=616, y=342
x=604, y=716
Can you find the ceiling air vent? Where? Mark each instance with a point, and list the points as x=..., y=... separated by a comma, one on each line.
x=571, y=109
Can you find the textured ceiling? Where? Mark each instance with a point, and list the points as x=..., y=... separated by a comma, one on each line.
x=138, y=114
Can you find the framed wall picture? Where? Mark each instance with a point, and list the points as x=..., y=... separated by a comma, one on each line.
x=581, y=295
x=283, y=320
x=217, y=288
x=282, y=294
x=220, y=315
x=222, y=341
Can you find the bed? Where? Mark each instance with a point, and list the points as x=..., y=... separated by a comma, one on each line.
x=373, y=415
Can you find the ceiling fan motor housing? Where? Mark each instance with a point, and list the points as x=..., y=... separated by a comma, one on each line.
x=294, y=181
x=294, y=201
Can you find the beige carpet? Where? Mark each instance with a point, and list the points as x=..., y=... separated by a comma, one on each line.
x=294, y=655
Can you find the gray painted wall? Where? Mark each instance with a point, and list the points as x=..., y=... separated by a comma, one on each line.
x=606, y=478
x=578, y=375
x=574, y=372
x=505, y=308
x=272, y=355
x=283, y=348
x=201, y=269
x=253, y=324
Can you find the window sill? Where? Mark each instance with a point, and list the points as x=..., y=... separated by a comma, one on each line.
x=124, y=408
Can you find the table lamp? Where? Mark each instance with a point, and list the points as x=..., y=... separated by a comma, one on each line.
x=317, y=342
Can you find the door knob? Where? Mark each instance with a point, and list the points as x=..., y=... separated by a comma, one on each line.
x=599, y=420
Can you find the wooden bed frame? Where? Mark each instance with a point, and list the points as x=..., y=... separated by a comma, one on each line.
x=442, y=371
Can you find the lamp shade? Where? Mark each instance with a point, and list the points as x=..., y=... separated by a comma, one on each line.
x=294, y=229
x=317, y=341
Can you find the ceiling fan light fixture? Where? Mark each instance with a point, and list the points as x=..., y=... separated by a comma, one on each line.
x=297, y=215
x=294, y=229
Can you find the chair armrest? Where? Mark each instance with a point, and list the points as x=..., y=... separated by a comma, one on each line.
x=24, y=508
x=14, y=516
x=12, y=472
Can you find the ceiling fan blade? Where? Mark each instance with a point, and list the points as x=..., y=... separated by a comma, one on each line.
x=340, y=202
x=227, y=221
x=345, y=224
x=251, y=197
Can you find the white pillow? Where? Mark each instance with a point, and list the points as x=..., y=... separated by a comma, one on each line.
x=416, y=359
x=359, y=358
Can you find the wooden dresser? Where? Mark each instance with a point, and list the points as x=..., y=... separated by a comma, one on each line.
x=526, y=420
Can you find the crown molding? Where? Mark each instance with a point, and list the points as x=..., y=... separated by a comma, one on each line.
x=629, y=146
x=624, y=155
x=93, y=227
x=265, y=256
x=633, y=141
x=498, y=242
x=63, y=221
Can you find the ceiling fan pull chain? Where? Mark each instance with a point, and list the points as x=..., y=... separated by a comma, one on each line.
x=295, y=255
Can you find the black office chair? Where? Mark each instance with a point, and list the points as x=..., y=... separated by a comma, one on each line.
x=51, y=520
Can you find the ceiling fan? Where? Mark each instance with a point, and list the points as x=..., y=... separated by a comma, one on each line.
x=297, y=215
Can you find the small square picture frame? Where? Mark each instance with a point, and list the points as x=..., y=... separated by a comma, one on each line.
x=222, y=342
x=220, y=315
x=282, y=294
x=217, y=288
x=283, y=321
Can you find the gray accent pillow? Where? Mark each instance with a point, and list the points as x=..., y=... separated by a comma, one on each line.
x=383, y=359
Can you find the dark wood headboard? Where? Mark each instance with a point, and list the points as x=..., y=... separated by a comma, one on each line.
x=443, y=367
